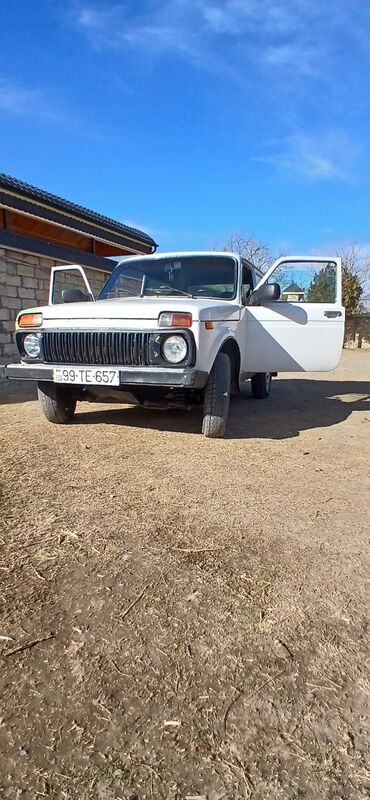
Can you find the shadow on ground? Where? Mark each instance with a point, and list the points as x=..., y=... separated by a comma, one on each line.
x=294, y=406
x=17, y=391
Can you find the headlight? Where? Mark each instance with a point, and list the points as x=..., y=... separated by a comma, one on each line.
x=174, y=349
x=31, y=344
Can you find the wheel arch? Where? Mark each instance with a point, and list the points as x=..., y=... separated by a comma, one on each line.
x=231, y=348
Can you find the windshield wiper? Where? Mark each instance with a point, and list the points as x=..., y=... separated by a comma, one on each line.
x=169, y=290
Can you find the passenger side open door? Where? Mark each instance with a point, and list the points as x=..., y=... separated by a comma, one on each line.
x=303, y=330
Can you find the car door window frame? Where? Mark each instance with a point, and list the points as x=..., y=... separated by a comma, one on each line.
x=308, y=259
x=245, y=265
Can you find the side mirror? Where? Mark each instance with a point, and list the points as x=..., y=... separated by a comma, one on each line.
x=267, y=293
x=74, y=296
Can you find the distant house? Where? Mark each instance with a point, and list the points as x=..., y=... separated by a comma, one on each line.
x=39, y=230
x=293, y=294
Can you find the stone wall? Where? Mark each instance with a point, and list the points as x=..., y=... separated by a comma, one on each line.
x=24, y=283
x=357, y=332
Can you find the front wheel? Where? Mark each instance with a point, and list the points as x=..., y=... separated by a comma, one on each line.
x=217, y=398
x=57, y=404
x=261, y=384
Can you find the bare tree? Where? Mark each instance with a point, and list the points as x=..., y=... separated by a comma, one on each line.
x=255, y=251
x=356, y=264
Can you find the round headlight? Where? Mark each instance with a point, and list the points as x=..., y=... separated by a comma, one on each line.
x=31, y=344
x=174, y=349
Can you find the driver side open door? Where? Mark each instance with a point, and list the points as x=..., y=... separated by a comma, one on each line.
x=304, y=329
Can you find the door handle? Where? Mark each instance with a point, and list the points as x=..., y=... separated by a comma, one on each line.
x=332, y=314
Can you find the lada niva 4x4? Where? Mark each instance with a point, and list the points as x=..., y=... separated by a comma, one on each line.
x=180, y=329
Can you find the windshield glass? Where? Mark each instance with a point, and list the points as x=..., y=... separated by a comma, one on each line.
x=189, y=276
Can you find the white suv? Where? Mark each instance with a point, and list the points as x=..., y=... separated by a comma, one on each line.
x=181, y=329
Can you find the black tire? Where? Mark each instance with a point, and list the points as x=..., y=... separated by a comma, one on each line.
x=217, y=398
x=261, y=384
x=57, y=404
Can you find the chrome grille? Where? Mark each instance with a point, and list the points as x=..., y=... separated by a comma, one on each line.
x=125, y=348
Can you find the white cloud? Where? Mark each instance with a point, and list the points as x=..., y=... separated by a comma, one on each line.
x=19, y=100
x=194, y=28
x=304, y=60
x=158, y=31
x=278, y=32
x=288, y=54
x=242, y=16
x=289, y=43
x=315, y=158
x=90, y=19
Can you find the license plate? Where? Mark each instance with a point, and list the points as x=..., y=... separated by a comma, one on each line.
x=86, y=376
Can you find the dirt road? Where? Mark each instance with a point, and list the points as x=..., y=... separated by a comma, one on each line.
x=187, y=617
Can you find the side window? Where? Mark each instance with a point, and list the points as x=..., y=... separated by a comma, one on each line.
x=247, y=283
x=67, y=279
x=306, y=281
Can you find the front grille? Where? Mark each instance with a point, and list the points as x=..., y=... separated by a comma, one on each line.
x=97, y=347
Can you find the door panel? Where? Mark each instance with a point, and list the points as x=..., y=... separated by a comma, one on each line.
x=303, y=331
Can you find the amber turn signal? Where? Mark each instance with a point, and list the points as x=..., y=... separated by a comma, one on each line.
x=30, y=321
x=175, y=319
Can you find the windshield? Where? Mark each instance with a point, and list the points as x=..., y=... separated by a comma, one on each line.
x=189, y=276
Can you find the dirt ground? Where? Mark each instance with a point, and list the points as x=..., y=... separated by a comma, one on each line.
x=182, y=617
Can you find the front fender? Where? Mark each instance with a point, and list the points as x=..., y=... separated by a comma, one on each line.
x=210, y=344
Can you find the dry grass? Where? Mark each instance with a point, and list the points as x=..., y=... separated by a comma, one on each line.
x=207, y=603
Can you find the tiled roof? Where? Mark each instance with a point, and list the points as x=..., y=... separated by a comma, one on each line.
x=293, y=289
x=32, y=192
x=58, y=252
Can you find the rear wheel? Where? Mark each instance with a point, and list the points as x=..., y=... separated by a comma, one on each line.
x=57, y=404
x=261, y=384
x=217, y=398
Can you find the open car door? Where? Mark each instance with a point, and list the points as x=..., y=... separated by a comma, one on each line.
x=302, y=330
x=69, y=284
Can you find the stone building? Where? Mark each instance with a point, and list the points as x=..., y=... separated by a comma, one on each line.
x=39, y=230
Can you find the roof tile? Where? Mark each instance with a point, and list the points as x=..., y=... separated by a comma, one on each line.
x=16, y=185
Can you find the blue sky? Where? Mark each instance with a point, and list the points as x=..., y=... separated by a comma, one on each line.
x=195, y=118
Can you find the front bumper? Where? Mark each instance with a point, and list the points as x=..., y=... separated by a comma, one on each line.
x=187, y=378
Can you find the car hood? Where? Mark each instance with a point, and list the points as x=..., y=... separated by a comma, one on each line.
x=141, y=308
